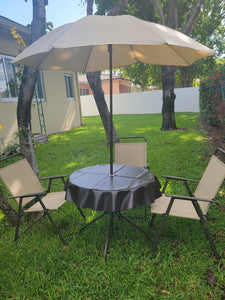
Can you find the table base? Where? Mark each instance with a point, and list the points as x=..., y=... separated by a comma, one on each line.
x=110, y=227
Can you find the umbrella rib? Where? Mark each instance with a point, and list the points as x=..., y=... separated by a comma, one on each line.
x=135, y=57
x=171, y=47
x=47, y=54
x=88, y=59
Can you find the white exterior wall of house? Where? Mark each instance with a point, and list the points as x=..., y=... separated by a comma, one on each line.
x=60, y=113
x=187, y=100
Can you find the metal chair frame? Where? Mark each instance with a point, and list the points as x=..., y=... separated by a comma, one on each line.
x=36, y=197
x=195, y=201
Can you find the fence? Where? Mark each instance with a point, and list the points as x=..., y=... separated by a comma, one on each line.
x=187, y=100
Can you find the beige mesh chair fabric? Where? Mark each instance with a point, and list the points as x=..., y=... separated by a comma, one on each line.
x=196, y=205
x=21, y=181
x=207, y=188
x=131, y=153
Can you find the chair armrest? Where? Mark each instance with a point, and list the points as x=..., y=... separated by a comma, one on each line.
x=50, y=178
x=179, y=197
x=184, y=180
x=28, y=195
x=37, y=197
x=53, y=177
x=179, y=178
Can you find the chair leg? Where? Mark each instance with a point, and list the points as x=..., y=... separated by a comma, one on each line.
x=207, y=233
x=56, y=228
x=52, y=221
x=18, y=220
x=162, y=224
x=152, y=220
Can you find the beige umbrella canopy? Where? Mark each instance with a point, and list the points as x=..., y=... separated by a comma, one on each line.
x=82, y=45
x=96, y=43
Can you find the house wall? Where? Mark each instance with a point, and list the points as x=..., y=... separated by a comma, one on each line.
x=119, y=86
x=60, y=114
x=85, y=86
x=187, y=100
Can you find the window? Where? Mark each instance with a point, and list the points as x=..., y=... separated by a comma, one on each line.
x=84, y=92
x=9, y=84
x=69, y=86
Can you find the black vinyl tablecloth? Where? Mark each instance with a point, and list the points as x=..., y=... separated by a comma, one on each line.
x=129, y=187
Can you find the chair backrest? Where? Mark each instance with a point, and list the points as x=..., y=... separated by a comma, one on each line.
x=20, y=179
x=131, y=154
x=210, y=182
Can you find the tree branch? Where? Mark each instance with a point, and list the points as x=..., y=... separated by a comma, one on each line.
x=158, y=7
x=118, y=7
x=172, y=14
x=90, y=7
x=193, y=18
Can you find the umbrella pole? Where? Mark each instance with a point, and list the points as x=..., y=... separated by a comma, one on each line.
x=111, y=110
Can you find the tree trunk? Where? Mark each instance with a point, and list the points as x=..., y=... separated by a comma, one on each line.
x=27, y=88
x=94, y=80
x=169, y=72
x=24, y=115
x=95, y=84
x=90, y=7
x=186, y=78
x=9, y=212
x=168, y=83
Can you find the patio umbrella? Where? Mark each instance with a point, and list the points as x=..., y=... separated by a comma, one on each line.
x=96, y=43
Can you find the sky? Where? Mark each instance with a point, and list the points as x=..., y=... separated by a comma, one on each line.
x=58, y=12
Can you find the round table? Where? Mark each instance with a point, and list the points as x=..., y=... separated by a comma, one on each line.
x=129, y=187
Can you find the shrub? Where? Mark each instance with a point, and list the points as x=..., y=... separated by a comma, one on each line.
x=212, y=100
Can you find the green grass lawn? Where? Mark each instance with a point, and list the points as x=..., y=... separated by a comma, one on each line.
x=40, y=267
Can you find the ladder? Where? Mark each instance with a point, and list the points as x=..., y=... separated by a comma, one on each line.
x=40, y=112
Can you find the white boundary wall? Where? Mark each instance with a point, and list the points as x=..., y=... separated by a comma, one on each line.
x=187, y=100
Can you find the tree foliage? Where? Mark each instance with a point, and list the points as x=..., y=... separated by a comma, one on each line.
x=143, y=75
x=207, y=28
x=212, y=97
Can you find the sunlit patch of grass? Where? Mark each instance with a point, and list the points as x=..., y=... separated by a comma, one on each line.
x=1, y=215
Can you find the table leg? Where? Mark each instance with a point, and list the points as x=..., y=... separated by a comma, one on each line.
x=99, y=217
x=134, y=225
x=110, y=230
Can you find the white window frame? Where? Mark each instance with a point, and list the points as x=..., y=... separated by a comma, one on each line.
x=69, y=89
x=8, y=99
x=15, y=99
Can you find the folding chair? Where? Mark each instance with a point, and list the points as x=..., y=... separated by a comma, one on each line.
x=131, y=153
x=26, y=189
x=196, y=205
